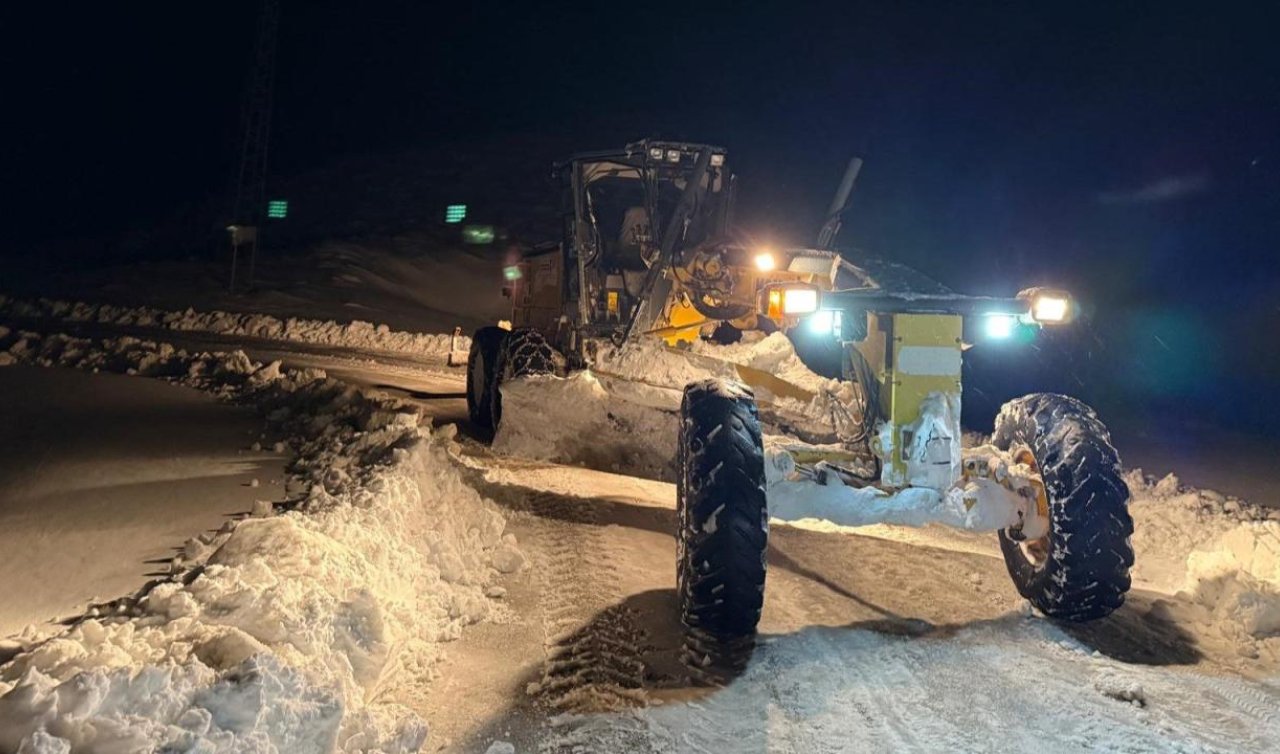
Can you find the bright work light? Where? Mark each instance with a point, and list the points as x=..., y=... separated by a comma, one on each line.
x=999, y=326
x=1050, y=308
x=765, y=262
x=825, y=322
x=799, y=300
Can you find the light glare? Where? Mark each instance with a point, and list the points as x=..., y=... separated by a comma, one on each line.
x=1050, y=309
x=1000, y=326
x=825, y=322
x=799, y=301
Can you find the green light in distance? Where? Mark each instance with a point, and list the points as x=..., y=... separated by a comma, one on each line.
x=455, y=213
x=278, y=209
x=477, y=234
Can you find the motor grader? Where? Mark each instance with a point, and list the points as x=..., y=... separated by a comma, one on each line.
x=648, y=255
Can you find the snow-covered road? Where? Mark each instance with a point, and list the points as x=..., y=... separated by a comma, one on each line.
x=885, y=640
x=102, y=476
x=902, y=641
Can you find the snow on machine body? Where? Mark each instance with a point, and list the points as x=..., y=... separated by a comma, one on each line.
x=648, y=259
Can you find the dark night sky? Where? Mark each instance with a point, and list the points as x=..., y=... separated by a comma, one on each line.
x=1130, y=150
x=991, y=126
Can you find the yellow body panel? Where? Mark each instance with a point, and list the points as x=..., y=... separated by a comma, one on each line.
x=912, y=355
x=682, y=322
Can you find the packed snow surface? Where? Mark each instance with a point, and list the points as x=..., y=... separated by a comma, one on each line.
x=101, y=474
x=280, y=632
x=1009, y=684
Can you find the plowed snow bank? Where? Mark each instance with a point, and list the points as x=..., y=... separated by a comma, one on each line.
x=357, y=334
x=1220, y=552
x=279, y=632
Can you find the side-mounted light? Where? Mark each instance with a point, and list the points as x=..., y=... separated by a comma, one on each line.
x=799, y=300
x=999, y=326
x=1048, y=306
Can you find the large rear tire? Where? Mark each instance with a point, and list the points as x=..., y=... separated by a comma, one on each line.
x=1080, y=570
x=722, y=513
x=482, y=362
x=525, y=352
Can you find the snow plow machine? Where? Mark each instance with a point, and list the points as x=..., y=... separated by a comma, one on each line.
x=648, y=256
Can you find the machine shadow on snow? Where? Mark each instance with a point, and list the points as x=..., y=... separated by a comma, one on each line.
x=422, y=395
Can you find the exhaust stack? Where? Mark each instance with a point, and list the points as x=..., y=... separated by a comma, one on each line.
x=839, y=204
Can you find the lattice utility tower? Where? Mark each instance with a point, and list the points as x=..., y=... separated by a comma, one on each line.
x=255, y=131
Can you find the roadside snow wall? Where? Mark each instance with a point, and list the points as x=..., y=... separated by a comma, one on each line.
x=357, y=334
x=280, y=632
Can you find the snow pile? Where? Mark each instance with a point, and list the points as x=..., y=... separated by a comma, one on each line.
x=773, y=353
x=791, y=397
x=278, y=633
x=623, y=416
x=357, y=334
x=617, y=426
x=1221, y=552
x=653, y=362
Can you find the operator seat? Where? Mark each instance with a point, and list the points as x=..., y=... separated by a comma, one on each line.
x=634, y=235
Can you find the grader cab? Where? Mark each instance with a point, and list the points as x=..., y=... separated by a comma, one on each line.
x=647, y=249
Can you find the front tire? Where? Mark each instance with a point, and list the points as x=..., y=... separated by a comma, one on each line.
x=482, y=362
x=525, y=352
x=1080, y=570
x=722, y=513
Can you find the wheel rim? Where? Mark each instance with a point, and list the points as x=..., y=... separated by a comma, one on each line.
x=1036, y=551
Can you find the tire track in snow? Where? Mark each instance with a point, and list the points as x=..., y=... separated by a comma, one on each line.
x=593, y=645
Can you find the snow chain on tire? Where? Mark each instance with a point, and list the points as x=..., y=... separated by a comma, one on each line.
x=722, y=513
x=524, y=353
x=482, y=362
x=1084, y=571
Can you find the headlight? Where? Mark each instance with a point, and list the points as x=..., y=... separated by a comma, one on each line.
x=999, y=326
x=765, y=262
x=825, y=322
x=799, y=300
x=1051, y=308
